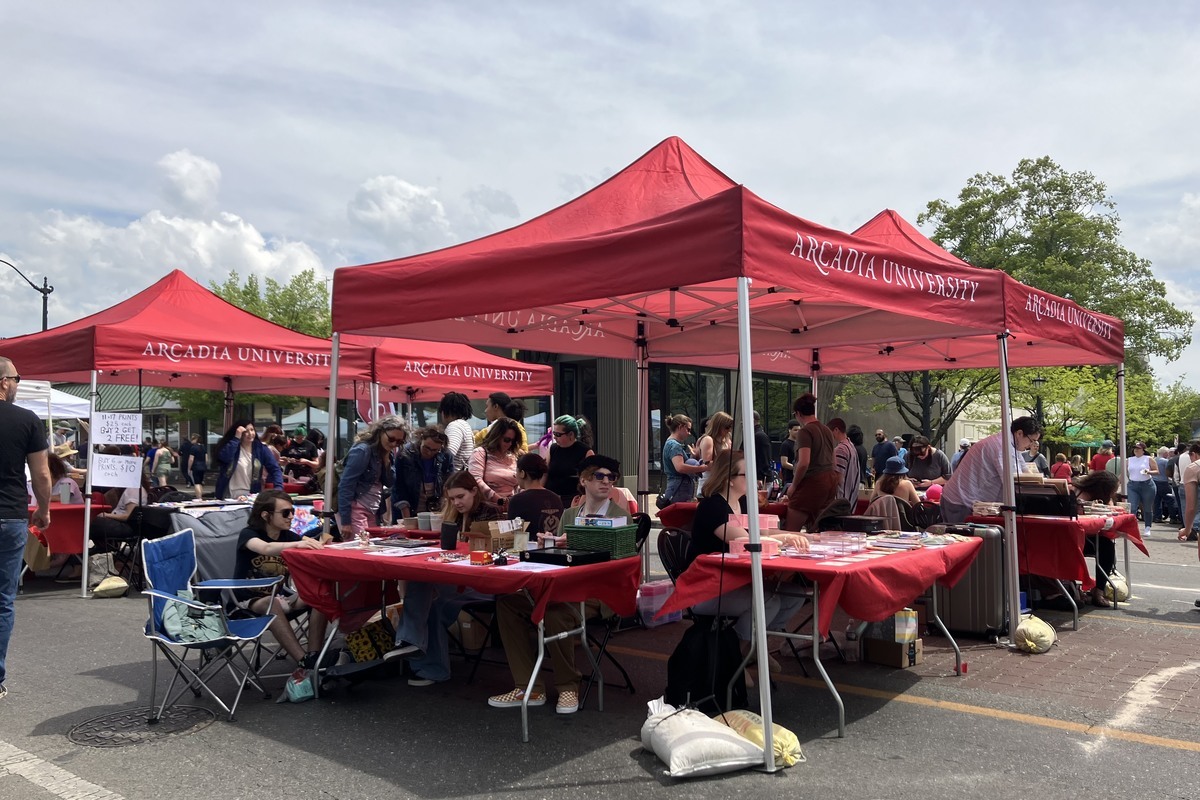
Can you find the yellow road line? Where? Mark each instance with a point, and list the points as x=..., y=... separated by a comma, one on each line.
x=963, y=708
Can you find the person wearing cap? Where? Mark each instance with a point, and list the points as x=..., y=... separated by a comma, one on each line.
x=1140, y=473
x=894, y=481
x=926, y=464
x=1102, y=457
x=598, y=474
x=963, y=446
x=901, y=450
x=980, y=476
x=299, y=457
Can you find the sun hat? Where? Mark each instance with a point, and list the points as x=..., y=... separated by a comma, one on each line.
x=895, y=466
x=64, y=450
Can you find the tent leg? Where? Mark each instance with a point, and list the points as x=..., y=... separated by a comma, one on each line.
x=1012, y=583
x=87, y=491
x=644, y=434
x=1123, y=472
x=331, y=443
x=746, y=392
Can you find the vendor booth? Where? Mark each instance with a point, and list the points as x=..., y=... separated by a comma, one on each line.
x=671, y=260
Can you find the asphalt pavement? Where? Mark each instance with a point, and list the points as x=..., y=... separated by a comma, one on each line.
x=1113, y=709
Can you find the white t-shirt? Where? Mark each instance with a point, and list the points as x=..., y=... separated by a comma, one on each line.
x=240, y=479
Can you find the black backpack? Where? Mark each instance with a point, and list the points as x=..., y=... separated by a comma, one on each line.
x=703, y=664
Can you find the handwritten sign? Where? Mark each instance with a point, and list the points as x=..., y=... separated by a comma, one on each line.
x=123, y=471
x=110, y=428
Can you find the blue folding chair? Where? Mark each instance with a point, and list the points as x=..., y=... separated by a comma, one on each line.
x=170, y=563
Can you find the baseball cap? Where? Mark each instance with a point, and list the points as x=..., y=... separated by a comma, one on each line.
x=964, y=442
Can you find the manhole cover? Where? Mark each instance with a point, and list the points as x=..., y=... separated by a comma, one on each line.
x=126, y=728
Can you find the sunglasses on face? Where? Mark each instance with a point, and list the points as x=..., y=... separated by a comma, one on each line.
x=559, y=434
x=395, y=438
x=604, y=476
x=287, y=512
x=13, y=378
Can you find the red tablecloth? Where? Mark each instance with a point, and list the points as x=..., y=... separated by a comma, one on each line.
x=1053, y=546
x=870, y=589
x=65, y=534
x=315, y=572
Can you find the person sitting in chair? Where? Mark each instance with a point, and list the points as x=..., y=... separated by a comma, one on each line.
x=1098, y=487
x=598, y=474
x=267, y=534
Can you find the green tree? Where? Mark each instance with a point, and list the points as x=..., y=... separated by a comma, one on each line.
x=928, y=401
x=1059, y=231
x=301, y=304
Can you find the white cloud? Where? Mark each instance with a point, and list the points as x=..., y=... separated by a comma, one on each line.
x=191, y=183
x=401, y=214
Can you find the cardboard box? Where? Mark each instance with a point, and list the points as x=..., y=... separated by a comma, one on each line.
x=469, y=632
x=893, y=654
x=900, y=627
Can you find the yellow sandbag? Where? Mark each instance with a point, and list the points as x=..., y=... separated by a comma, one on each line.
x=1034, y=635
x=750, y=725
x=1118, y=584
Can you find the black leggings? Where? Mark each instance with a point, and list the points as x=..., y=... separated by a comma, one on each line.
x=1106, y=558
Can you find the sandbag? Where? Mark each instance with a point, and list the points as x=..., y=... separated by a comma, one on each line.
x=1117, y=585
x=691, y=744
x=1034, y=635
x=750, y=725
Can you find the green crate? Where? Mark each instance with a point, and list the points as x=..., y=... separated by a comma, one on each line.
x=619, y=542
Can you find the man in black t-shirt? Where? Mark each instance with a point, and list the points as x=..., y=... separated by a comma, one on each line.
x=22, y=442
x=300, y=455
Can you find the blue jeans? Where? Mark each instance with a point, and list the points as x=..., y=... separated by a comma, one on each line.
x=1141, y=496
x=429, y=609
x=13, y=533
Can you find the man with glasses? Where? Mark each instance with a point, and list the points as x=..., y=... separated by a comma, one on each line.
x=980, y=474
x=881, y=452
x=598, y=474
x=422, y=468
x=22, y=443
x=926, y=464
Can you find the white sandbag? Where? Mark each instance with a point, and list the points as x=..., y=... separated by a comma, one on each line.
x=1034, y=635
x=691, y=744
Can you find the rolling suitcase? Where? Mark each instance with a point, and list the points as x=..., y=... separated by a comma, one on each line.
x=975, y=605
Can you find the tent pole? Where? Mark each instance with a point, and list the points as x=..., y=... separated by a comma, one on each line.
x=746, y=391
x=373, y=393
x=1011, y=579
x=228, y=411
x=87, y=490
x=331, y=442
x=1123, y=473
x=643, y=434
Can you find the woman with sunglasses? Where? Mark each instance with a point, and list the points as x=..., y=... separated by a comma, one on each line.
x=243, y=461
x=494, y=462
x=570, y=447
x=430, y=608
x=367, y=476
x=679, y=471
x=267, y=534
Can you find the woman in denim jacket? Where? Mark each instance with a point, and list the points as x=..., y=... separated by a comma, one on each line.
x=243, y=460
x=367, y=476
x=422, y=468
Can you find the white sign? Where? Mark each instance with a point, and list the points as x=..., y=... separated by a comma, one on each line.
x=122, y=471
x=116, y=429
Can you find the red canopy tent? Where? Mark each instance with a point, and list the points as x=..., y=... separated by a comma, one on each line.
x=671, y=260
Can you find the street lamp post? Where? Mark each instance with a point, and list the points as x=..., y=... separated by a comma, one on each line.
x=44, y=290
x=1038, y=383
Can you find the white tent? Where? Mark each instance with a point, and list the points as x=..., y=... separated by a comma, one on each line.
x=49, y=403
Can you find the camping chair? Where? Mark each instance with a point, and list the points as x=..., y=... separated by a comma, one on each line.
x=609, y=623
x=896, y=511
x=169, y=563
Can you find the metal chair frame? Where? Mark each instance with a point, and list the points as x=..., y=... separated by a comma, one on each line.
x=224, y=654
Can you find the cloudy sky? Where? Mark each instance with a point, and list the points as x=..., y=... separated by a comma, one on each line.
x=271, y=137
